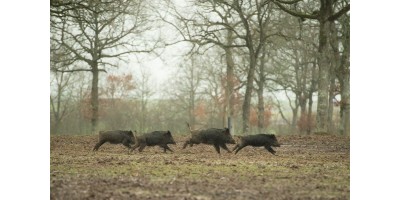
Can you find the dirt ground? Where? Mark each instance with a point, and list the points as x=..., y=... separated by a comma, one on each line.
x=306, y=167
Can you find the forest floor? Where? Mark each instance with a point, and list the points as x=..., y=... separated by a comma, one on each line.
x=306, y=167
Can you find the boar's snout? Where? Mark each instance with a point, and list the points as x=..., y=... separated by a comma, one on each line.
x=231, y=141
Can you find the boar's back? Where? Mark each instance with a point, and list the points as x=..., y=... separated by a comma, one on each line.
x=257, y=140
x=155, y=138
x=115, y=137
x=213, y=136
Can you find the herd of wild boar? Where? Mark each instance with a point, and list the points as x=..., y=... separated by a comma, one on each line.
x=212, y=136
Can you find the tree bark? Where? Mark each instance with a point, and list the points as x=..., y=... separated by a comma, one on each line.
x=247, y=96
x=295, y=111
x=331, y=124
x=95, y=97
x=344, y=78
x=230, y=75
x=324, y=66
x=310, y=100
x=230, y=99
x=345, y=105
x=260, y=93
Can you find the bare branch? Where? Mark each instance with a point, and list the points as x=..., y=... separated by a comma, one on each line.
x=297, y=14
x=340, y=13
x=288, y=2
x=77, y=70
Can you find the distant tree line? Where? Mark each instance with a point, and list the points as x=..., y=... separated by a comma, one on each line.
x=249, y=61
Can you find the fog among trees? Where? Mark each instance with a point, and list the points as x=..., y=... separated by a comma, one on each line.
x=266, y=65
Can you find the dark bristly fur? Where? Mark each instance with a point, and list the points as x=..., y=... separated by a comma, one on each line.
x=212, y=136
x=115, y=137
x=266, y=140
x=159, y=138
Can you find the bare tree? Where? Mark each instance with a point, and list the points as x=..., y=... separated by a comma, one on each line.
x=325, y=15
x=208, y=28
x=341, y=40
x=260, y=89
x=143, y=93
x=231, y=24
x=187, y=86
x=59, y=101
x=97, y=34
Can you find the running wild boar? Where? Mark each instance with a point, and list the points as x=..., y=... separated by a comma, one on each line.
x=266, y=140
x=155, y=138
x=115, y=137
x=212, y=136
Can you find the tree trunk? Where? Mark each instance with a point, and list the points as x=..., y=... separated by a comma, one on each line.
x=324, y=67
x=303, y=112
x=331, y=124
x=344, y=78
x=345, y=90
x=247, y=96
x=310, y=100
x=309, y=114
x=95, y=97
x=345, y=95
x=229, y=75
x=260, y=92
x=294, y=118
x=345, y=105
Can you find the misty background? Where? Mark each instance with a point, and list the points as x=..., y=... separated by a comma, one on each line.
x=269, y=66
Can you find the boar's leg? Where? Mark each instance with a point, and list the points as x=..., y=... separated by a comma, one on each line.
x=223, y=145
x=234, y=148
x=135, y=146
x=126, y=143
x=269, y=148
x=190, y=143
x=239, y=147
x=186, y=143
x=101, y=142
x=166, y=147
x=142, y=146
x=216, y=146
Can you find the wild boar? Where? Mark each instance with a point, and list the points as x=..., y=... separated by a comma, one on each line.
x=266, y=140
x=159, y=138
x=212, y=136
x=115, y=137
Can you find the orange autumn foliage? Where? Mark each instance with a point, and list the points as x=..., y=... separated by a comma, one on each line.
x=254, y=115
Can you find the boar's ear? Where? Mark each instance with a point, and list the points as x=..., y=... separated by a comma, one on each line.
x=168, y=132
